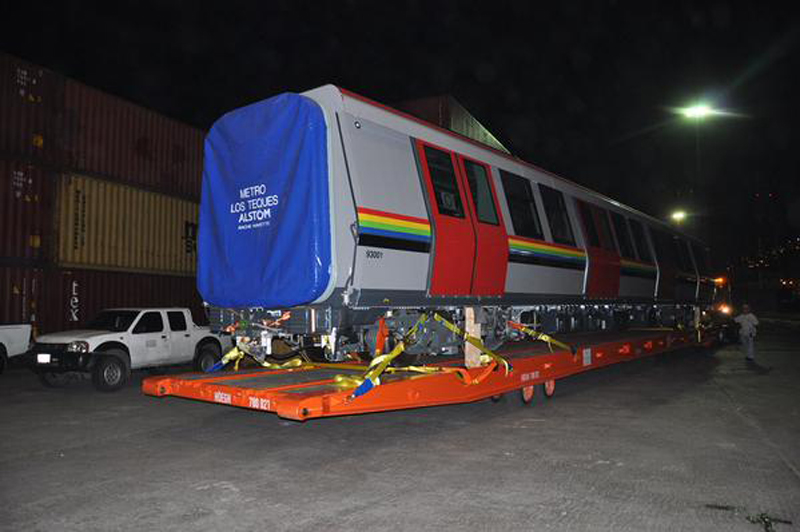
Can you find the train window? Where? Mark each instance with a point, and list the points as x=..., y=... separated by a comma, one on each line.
x=606, y=238
x=445, y=186
x=642, y=249
x=623, y=235
x=682, y=252
x=588, y=224
x=701, y=259
x=481, y=192
x=522, y=206
x=555, y=211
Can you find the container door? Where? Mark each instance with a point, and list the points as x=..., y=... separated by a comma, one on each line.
x=454, y=247
x=491, y=258
x=604, y=263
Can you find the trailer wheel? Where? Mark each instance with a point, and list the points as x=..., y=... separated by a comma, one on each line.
x=549, y=388
x=497, y=398
x=109, y=374
x=527, y=393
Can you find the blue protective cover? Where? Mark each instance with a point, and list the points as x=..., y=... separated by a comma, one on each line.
x=265, y=237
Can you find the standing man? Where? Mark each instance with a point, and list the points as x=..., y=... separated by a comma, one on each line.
x=747, y=332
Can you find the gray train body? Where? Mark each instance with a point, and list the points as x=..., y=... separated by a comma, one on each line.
x=408, y=235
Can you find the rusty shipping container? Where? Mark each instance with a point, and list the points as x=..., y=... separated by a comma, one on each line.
x=46, y=117
x=21, y=290
x=31, y=98
x=112, y=138
x=106, y=225
x=446, y=112
x=73, y=296
x=26, y=213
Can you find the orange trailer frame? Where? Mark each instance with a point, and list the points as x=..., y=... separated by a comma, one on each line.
x=311, y=391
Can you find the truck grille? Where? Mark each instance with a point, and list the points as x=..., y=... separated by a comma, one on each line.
x=48, y=348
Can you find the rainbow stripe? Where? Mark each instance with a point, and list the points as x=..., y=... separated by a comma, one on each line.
x=394, y=226
x=633, y=268
x=545, y=254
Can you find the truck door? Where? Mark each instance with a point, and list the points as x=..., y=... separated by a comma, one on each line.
x=149, y=340
x=604, y=263
x=491, y=257
x=454, y=247
x=181, y=344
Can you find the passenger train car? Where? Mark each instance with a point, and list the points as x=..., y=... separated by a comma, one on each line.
x=324, y=214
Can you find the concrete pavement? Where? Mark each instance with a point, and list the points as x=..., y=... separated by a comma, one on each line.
x=694, y=440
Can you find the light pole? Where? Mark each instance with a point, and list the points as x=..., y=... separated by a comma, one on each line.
x=696, y=113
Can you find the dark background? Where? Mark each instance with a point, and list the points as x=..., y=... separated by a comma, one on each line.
x=584, y=89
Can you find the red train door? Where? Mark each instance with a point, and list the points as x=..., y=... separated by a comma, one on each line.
x=491, y=259
x=454, y=247
x=604, y=263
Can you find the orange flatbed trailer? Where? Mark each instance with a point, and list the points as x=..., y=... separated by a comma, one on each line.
x=309, y=392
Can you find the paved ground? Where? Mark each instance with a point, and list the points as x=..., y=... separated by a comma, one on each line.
x=686, y=441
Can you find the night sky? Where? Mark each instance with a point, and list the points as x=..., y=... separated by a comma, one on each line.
x=583, y=89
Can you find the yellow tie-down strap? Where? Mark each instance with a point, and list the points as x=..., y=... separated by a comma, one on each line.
x=236, y=355
x=380, y=364
x=536, y=335
x=488, y=356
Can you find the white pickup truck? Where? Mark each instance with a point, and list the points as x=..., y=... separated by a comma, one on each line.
x=14, y=340
x=117, y=341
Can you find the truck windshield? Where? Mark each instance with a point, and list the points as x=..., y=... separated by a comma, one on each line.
x=113, y=320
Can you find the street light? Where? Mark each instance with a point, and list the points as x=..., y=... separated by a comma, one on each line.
x=678, y=216
x=699, y=111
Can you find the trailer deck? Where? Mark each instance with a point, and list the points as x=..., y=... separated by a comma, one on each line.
x=316, y=390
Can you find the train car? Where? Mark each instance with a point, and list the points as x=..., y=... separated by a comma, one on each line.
x=326, y=216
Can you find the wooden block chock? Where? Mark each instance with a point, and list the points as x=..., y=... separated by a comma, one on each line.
x=472, y=326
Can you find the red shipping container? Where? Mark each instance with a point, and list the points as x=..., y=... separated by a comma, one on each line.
x=74, y=296
x=21, y=290
x=108, y=137
x=26, y=213
x=30, y=101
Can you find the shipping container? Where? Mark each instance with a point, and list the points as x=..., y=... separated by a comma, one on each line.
x=446, y=112
x=71, y=297
x=30, y=101
x=26, y=213
x=46, y=117
x=21, y=289
x=112, y=138
x=109, y=226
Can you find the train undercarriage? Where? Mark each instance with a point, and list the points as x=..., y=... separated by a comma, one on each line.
x=337, y=334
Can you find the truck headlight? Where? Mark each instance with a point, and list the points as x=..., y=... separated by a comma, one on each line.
x=78, y=346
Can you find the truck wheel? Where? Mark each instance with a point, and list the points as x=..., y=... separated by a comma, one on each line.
x=3, y=359
x=208, y=355
x=109, y=374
